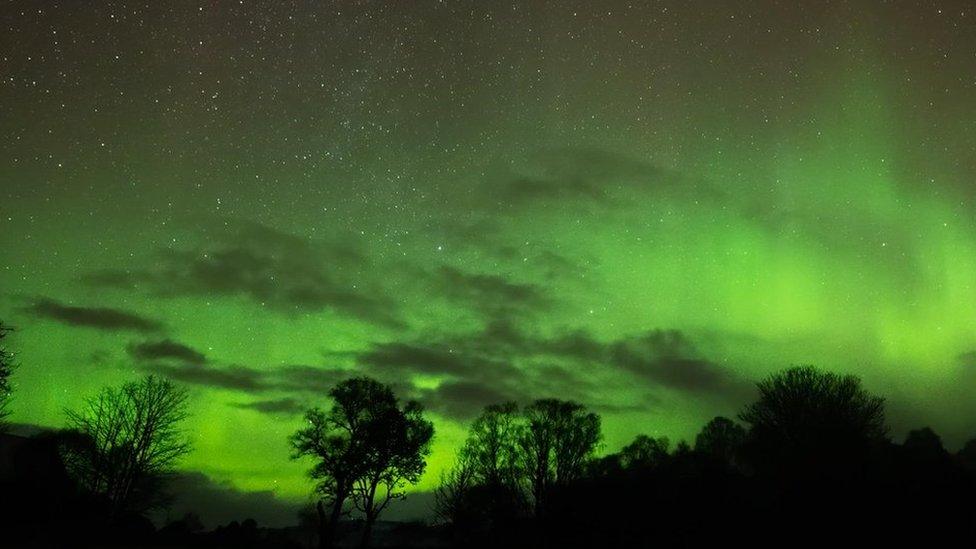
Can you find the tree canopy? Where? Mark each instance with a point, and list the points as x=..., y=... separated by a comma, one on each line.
x=366, y=447
x=807, y=419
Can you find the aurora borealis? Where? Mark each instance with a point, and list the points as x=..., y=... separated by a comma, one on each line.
x=641, y=207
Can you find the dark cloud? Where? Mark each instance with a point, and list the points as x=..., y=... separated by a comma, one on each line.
x=218, y=503
x=183, y=363
x=101, y=318
x=548, y=263
x=486, y=235
x=663, y=357
x=588, y=176
x=316, y=380
x=490, y=294
x=526, y=189
x=436, y=358
x=668, y=356
x=280, y=406
x=126, y=279
x=271, y=268
x=463, y=399
x=166, y=349
x=246, y=379
x=474, y=376
x=238, y=378
x=500, y=362
x=503, y=362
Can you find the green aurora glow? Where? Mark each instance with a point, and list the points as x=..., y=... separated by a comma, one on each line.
x=776, y=187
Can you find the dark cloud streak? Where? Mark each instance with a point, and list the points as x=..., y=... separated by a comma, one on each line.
x=271, y=268
x=101, y=318
x=167, y=348
x=503, y=362
x=281, y=406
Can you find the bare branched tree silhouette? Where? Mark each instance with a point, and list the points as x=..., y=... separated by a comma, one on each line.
x=451, y=497
x=490, y=465
x=128, y=441
x=559, y=438
x=492, y=449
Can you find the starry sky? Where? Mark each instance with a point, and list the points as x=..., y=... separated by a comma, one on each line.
x=641, y=206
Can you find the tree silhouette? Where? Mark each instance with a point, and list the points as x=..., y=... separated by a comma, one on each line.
x=924, y=442
x=330, y=438
x=644, y=452
x=967, y=454
x=364, y=442
x=809, y=422
x=127, y=441
x=492, y=445
x=722, y=439
x=396, y=454
x=6, y=370
x=558, y=439
x=451, y=497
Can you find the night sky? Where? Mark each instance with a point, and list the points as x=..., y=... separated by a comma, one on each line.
x=642, y=207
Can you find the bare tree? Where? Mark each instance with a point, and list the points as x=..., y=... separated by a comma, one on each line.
x=365, y=449
x=492, y=446
x=6, y=370
x=487, y=476
x=559, y=438
x=129, y=439
x=452, y=494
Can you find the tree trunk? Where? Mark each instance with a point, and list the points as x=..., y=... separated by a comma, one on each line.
x=324, y=542
x=367, y=531
x=369, y=509
x=328, y=525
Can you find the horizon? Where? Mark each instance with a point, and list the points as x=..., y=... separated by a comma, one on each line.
x=643, y=209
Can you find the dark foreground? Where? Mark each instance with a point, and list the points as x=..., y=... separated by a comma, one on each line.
x=915, y=492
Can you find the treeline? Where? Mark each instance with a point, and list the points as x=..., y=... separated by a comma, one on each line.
x=809, y=463
x=96, y=481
